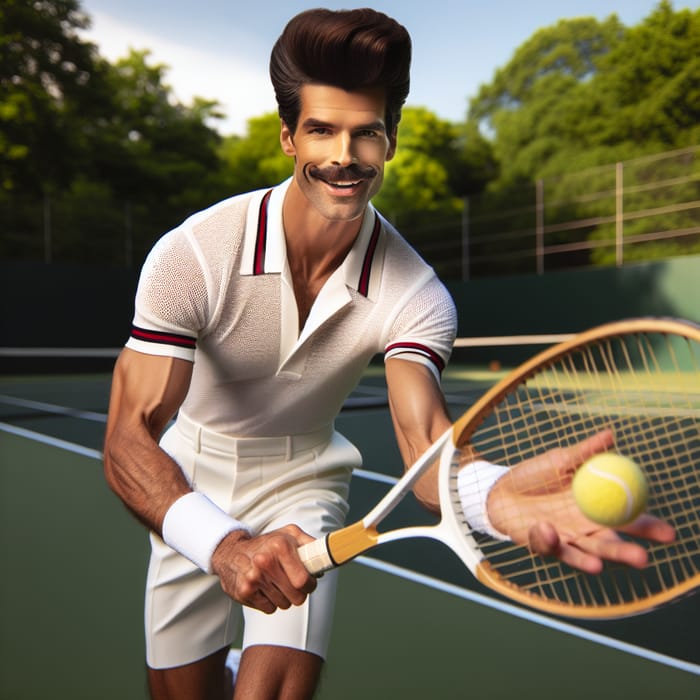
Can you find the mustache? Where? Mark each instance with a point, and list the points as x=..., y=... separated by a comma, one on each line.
x=338, y=173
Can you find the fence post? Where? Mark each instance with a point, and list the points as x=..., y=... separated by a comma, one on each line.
x=619, y=214
x=539, y=225
x=465, y=240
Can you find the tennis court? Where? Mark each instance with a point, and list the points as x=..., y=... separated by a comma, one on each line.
x=410, y=623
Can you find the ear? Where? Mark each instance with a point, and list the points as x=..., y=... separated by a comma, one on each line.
x=287, y=140
x=392, y=144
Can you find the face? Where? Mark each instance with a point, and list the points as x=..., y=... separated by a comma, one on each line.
x=339, y=147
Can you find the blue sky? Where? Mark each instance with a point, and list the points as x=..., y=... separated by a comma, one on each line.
x=219, y=49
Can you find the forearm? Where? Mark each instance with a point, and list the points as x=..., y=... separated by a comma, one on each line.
x=420, y=417
x=146, y=392
x=144, y=477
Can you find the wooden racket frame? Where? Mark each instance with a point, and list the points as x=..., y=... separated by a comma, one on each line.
x=347, y=543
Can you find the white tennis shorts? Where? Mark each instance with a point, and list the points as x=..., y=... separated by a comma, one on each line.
x=267, y=483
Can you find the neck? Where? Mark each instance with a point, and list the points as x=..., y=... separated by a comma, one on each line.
x=316, y=246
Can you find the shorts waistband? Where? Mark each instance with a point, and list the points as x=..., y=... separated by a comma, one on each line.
x=285, y=445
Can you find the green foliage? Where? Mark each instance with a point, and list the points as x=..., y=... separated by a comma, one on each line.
x=148, y=144
x=584, y=93
x=255, y=160
x=647, y=93
x=417, y=179
x=45, y=76
x=581, y=95
x=109, y=152
x=535, y=103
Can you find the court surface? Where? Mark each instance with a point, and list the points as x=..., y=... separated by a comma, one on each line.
x=410, y=623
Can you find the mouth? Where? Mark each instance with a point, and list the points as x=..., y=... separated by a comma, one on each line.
x=343, y=185
x=342, y=180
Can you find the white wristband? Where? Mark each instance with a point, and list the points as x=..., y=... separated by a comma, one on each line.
x=194, y=527
x=474, y=484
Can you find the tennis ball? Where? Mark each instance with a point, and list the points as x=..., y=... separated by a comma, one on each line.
x=610, y=489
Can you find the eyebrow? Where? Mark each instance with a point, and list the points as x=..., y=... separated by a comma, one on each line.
x=312, y=123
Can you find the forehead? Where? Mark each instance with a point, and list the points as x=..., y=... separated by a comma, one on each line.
x=328, y=102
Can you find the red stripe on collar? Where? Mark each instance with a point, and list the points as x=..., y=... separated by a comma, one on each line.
x=363, y=286
x=261, y=240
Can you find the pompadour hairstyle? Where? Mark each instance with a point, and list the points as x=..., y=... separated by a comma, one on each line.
x=349, y=49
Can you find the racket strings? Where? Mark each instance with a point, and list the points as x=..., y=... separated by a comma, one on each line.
x=646, y=389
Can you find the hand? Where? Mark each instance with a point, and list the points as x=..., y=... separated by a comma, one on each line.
x=550, y=522
x=264, y=572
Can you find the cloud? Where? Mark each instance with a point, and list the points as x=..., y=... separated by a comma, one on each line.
x=240, y=86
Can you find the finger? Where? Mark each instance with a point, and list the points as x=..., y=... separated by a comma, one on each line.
x=264, y=604
x=298, y=534
x=650, y=528
x=606, y=545
x=545, y=541
x=600, y=442
x=301, y=580
x=580, y=559
x=284, y=579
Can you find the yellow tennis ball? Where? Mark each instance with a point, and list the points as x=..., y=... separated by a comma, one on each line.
x=610, y=489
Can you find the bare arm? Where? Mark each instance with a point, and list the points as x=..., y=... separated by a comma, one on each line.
x=146, y=393
x=420, y=417
x=264, y=572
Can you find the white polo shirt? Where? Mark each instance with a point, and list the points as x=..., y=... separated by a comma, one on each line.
x=217, y=291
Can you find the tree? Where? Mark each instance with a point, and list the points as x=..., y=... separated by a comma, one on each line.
x=148, y=145
x=255, y=160
x=647, y=92
x=534, y=104
x=584, y=93
x=418, y=178
x=578, y=96
x=46, y=73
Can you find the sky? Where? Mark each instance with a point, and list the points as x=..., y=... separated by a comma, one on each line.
x=219, y=49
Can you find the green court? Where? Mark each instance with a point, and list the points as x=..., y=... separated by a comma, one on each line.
x=410, y=623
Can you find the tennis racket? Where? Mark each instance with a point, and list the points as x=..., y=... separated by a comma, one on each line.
x=639, y=378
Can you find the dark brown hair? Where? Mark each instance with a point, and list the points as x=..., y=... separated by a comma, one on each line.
x=349, y=49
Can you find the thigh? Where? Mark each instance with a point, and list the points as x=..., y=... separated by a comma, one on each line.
x=318, y=507
x=187, y=615
x=305, y=627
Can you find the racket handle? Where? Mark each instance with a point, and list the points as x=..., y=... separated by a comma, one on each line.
x=315, y=557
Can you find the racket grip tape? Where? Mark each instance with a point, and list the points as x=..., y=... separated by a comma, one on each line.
x=315, y=556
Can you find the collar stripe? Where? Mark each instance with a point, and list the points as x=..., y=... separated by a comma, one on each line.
x=420, y=349
x=182, y=341
x=363, y=286
x=261, y=240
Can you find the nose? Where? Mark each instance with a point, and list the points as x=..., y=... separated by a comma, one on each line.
x=344, y=152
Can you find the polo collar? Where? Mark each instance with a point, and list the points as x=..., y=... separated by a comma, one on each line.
x=265, y=250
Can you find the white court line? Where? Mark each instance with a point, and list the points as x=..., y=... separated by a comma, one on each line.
x=50, y=440
x=423, y=579
x=53, y=408
x=524, y=614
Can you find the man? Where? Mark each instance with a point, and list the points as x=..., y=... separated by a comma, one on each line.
x=254, y=320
